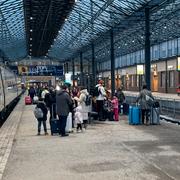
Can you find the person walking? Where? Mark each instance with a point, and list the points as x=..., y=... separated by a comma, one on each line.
x=64, y=106
x=100, y=94
x=145, y=99
x=31, y=92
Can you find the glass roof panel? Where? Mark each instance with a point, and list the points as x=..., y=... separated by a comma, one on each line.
x=12, y=29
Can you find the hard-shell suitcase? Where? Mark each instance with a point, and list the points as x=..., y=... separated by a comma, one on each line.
x=135, y=115
x=69, y=123
x=125, y=108
x=130, y=114
x=28, y=100
x=155, y=116
x=54, y=124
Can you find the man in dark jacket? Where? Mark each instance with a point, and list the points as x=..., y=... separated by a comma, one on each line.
x=31, y=92
x=64, y=105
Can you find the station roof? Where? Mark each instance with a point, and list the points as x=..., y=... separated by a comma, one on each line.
x=61, y=29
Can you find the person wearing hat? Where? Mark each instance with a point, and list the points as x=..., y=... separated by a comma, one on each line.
x=100, y=99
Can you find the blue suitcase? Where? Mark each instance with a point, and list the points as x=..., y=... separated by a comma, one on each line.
x=135, y=115
x=130, y=114
x=54, y=124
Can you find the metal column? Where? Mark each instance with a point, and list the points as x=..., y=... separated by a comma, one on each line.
x=81, y=69
x=112, y=63
x=147, y=50
x=73, y=72
x=93, y=67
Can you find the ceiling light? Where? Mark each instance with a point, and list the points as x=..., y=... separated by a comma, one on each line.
x=165, y=27
x=133, y=41
x=31, y=18
x=30, y=50
x=30, y=45
x=31, y=30
x=30, y=39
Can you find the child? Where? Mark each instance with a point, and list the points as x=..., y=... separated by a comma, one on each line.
x=42, y=120
x=115, y=108
x=78, y=118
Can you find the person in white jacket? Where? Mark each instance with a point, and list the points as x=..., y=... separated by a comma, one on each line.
x=81, y=102
x=100, y=99
x=78, y=117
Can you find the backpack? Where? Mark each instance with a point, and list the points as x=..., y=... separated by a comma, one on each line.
x=88, y=100
x=96, y=91
x=38, y=113
x=149, y=100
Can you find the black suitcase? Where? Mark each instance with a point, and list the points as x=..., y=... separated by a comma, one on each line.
x=125, y=108
x=54, y=124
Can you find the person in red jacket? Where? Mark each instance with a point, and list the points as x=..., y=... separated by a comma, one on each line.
x=115, y=108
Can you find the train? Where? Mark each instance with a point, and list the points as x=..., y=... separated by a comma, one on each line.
x=10, y=92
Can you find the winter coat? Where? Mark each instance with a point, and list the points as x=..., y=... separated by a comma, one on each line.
x=42, y=106
x=81, y=102
x=64, y=103
x=78, y=115
x=142, y=99
x=115, y=103
x=102, y=92
x=31, y=92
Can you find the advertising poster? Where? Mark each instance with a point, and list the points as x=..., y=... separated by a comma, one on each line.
x=22, y=70
x=140, y=69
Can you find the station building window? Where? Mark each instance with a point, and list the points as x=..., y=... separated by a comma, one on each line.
x=171, y=78
x=163, y=79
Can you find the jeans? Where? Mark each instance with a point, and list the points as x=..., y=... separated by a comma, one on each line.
x=63, y=120
x=44, y=125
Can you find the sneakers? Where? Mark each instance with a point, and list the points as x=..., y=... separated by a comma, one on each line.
x=46, y=133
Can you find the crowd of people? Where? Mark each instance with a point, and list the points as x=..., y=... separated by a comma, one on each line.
x=80, y=103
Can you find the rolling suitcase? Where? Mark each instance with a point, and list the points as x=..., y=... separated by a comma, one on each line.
x=135, y=115
x=155, y=116
x=28, y=100
x=54, y=125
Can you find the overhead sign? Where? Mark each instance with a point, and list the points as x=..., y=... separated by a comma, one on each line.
x=140, y=69
x=40, y=70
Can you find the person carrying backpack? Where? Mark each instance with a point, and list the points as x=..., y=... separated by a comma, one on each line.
x=100, y=94
x=40, y=113
x=84, y=101
x=146, y=100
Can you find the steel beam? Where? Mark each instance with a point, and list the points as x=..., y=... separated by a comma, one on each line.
x=81, y=69
x=93, y=66
x=147, y=50
x=112, y=63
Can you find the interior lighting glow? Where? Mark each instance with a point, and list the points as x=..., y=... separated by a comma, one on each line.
x=31, y=39
x=30, y=45
x=31, y=18
x=31, y=30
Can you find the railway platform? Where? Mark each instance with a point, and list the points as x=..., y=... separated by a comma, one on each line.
x=107, y=150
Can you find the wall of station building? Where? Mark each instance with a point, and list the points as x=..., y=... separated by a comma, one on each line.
x=164, y=76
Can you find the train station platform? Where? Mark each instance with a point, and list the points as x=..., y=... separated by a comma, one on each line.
x=107, y=150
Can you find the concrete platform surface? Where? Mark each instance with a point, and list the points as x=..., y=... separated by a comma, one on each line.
x=106, y=151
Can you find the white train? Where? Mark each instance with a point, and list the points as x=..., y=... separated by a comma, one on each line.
x=10, y=91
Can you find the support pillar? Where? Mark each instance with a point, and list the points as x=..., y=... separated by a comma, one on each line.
x=81, y=69
x=93, y=67
x=73, y=72
x=112, y=64
x=147, y=50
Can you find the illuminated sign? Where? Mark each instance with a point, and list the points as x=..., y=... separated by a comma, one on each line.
x=140, y=69
x=178, y=64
